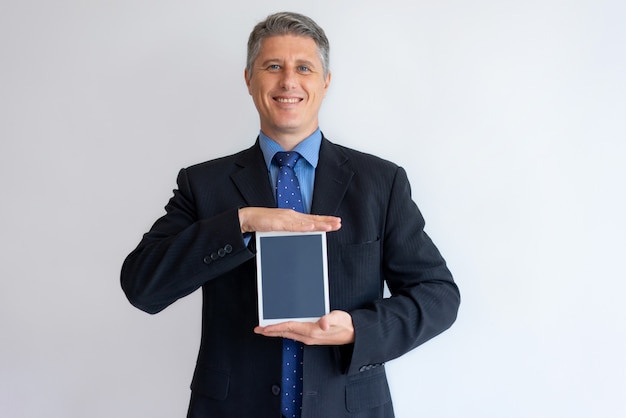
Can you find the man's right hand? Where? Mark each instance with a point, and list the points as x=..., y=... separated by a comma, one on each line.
x=254, y=219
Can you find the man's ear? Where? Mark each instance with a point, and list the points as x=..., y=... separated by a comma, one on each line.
x=246, y=77
x=327, y=83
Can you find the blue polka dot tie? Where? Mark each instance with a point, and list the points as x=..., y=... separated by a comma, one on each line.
x=288, y=195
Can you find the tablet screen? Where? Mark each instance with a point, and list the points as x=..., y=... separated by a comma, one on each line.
x=291, y=276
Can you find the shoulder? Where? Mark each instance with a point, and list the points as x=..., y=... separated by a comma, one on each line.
x=360, y=162
x=217, y=172
x=225, y=164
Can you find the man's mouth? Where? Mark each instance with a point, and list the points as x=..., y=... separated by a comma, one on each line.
x=287, y=99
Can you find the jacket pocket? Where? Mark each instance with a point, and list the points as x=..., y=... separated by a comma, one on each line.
x=361, y=260
x=211, y=382
x=355, y=275
x=368, y=392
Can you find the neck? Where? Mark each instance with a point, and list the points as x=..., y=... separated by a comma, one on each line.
x=288, y=141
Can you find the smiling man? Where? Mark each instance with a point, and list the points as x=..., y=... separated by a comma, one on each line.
x=288, y=82
x=333, y=367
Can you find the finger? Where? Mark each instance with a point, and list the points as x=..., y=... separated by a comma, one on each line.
x=324, y=323
x=319, y=223
x=279, y=219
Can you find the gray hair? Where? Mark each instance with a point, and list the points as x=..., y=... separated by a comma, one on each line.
x=287, y=23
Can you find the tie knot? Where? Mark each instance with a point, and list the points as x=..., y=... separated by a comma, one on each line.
x=288, y=159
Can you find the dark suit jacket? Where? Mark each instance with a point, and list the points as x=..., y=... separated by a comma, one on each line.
x=198, y=243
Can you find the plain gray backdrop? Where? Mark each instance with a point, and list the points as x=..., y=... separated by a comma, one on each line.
x=509, y=117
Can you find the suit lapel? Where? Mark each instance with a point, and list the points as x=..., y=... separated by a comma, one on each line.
x=332, y=177
x=252, y=180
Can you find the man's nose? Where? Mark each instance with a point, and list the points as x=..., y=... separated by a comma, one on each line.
x=288, y=80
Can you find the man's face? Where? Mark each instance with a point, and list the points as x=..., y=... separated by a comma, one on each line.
x=287, y=85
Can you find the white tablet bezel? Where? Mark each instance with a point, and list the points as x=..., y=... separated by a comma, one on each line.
x=259, y=254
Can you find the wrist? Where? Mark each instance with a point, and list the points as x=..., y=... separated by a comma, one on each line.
x=241, y=213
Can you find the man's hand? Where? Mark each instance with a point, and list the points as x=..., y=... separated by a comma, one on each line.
x=336, y=328
x=272, y=219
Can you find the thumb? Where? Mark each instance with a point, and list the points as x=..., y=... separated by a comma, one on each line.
x=324, y=322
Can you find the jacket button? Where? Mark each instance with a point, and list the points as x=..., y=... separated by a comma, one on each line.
x=221, y=252
x=206, y=259
x=276, y=390
x=228, y=248
x=214, y=256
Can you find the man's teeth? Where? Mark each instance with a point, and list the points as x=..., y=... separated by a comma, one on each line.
x=283, y=100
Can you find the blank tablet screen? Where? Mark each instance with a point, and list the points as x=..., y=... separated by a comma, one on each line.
x=292, y=272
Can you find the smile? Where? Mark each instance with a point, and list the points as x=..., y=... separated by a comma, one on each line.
x=287, y=100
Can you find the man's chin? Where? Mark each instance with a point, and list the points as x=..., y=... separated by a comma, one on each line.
x=288, y=128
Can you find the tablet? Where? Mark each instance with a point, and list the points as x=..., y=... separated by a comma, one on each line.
x=292, y=276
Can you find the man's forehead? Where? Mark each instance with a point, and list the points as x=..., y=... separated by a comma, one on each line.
x=298, y=48
x=304, y=42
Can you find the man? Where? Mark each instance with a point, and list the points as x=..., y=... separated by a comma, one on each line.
x=375, y=234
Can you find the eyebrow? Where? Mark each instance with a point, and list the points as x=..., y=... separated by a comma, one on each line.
x=304, y=62
x=269, y=61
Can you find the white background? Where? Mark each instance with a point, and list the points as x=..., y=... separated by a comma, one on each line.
x=509, y=116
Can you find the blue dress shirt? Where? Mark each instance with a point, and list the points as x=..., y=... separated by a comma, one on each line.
x=305, y=167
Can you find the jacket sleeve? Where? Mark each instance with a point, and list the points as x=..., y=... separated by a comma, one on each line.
x=424, y=298
x=181, y=252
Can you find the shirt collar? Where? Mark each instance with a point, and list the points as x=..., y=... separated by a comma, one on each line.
x=309, y=148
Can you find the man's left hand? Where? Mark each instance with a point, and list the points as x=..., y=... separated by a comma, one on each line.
x=335, y=328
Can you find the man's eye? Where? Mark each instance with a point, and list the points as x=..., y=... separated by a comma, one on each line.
x=274, y=67
x=303, y=68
